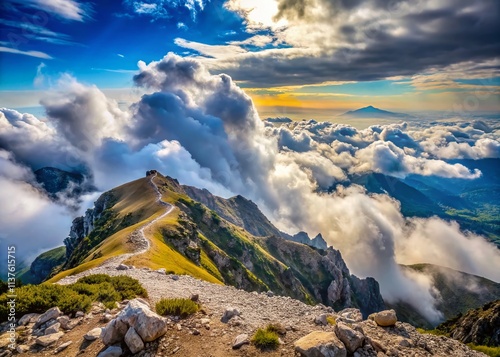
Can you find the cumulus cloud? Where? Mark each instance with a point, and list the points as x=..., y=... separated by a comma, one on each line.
x=204, y=130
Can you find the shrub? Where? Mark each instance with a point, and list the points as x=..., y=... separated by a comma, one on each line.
x=266, y=339
x=331, y=320
x=276, y=328
x=176, y=307
x=127, y=287
x=75, y=297
x=490, y=351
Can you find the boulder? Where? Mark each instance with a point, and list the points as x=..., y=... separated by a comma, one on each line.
x=52, y=328
x=63, y=347
x=147, y=323
x=122, y=267
x=352, y=339
x=350, y=315
x=229, y=313
x=67, y=323
x=111, y=351
x=385, y=318
x=320, y=344
x=240, y=340
x=52, y=313
x=321, y=320
x=49, y=339
x=114, y=332
x=93, y=334
x=28, y=318
x=133, y=341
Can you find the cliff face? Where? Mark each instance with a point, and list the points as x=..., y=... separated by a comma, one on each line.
x=479, y=326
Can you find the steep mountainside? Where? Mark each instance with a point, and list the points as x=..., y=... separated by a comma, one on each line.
x=196, y=240
x=458, y=293
x=43, y=266
x=479, y=326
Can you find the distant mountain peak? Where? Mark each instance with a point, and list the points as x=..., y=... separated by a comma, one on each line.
x=371, y=111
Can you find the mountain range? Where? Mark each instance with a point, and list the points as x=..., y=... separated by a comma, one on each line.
x=230, y=241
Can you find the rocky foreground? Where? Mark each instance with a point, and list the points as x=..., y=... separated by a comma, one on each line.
x=223, y=327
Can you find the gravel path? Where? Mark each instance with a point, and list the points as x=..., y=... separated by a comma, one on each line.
x=138, y=237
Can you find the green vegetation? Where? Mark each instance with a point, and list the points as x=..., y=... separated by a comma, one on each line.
x=176, y=307
x=331, y=320
x=490, y=351
x=435, y=332
x=276, y=327
x=74, y=297
x=266, y=338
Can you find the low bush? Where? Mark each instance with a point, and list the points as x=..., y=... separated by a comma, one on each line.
x=74, y=297
x=331, y=320
x=176, y=307
x=490, y=351
x=266, y=339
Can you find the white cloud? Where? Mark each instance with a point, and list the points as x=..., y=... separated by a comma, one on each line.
x=67, y=9
x=37, y=54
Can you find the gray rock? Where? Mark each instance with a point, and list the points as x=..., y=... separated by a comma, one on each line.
x=28, y=318
x=114, y=332
x=63, y=347
x=133, y=341
x=67, y=323
x=79, y=314
x=122, y=267
x=229, y=313
x=49, y=339
x=240, y=340
x=174, y=277
x=147, y=323
x=352, y=339
x=320, y=344
x=321, y=320
x=93, y=334
x=350, y=315
x=52, y=313
x=111, y=351
x=52, y=328
x=385, y=318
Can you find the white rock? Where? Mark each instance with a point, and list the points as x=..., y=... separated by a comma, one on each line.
x=114, y=332
x=134, y=341
x=49, y=339
x=63, y=346
x=93, y=334
x=240, y=340
x=147, y=323
x=52, y=313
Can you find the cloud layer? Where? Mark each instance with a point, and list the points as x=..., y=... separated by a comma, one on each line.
x=204, y=130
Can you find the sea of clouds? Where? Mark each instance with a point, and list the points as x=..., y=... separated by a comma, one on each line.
x=205, y=131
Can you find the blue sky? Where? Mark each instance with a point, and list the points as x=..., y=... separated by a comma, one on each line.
x=282, y=55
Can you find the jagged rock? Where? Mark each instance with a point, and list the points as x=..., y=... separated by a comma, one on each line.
x=63, y=347
x=27, y=319
x=93, y=334
x=52, y=313
x=67, y=323
x=133, y=341
x=229, y=313
x=54, y=328
x=240, y=340
x=111, y=351
x=49, y=339
x=147, y=323
x=350, y=315
x=321, y=320
x=352, y=339
x=320, y=344
x=385, y=318
x=114, y=332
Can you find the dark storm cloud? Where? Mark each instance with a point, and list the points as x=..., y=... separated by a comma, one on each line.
x=398, y=38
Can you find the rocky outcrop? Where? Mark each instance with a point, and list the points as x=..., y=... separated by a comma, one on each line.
x=320, y=344
x=83, y=226
x=302, y=237
x=135, y=325
x=479, y=326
